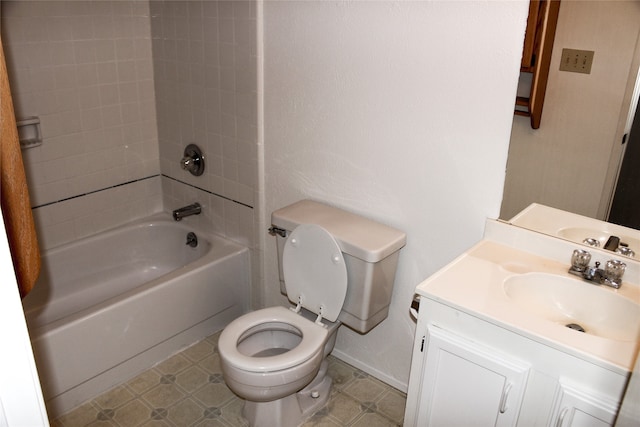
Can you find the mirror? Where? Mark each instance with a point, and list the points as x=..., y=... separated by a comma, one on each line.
x=572, y=161
x=623, y=241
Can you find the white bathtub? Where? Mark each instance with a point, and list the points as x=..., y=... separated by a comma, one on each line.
x=112, y=305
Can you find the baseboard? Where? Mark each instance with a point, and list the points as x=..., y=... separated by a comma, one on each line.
x=371, y=371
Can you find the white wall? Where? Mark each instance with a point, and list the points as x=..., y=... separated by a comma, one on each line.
x=399, y=111
x=21, y=402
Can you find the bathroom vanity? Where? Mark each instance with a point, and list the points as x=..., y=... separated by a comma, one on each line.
x=498, y=338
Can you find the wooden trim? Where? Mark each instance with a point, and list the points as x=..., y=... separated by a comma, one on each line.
x=550, y=10
x=528, y=52
x=16, y=205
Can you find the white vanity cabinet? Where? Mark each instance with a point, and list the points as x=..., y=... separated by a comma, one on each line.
x=469, y=371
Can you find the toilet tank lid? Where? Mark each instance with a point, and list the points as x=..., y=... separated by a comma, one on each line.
x=357, y=236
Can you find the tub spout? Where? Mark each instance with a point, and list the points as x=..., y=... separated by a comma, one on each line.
x=189, y=210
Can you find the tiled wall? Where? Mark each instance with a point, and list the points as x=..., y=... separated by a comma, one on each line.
x=204, y=55
x=85, y=68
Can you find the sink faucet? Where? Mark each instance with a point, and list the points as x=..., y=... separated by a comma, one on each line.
x=611, y=275
x=612, y=243
x=188, y=210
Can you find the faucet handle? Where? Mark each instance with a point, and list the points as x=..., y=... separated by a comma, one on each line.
x=625, y=251
x=613, y=271
x=590, y=241
x=193, y=160
x=580, y=260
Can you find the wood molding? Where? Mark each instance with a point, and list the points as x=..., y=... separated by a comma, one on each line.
x=16, y=205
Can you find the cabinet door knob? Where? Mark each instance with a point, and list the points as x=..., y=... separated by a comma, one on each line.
x=560, y=420
x=505, y=397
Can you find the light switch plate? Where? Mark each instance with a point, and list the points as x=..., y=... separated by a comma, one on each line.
x=576, y=61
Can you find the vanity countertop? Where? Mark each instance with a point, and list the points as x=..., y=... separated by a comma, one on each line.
x=473, y=283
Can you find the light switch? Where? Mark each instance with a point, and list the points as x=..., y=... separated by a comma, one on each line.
x=576, y=61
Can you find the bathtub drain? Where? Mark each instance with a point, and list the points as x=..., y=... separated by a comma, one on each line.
x=192, y=239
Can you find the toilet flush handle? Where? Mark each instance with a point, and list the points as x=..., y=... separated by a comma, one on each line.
x=277, y=231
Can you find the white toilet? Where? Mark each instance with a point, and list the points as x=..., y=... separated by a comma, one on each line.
x=336, y=267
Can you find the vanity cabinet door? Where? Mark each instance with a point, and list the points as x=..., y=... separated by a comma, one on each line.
x=467, y=384
x=579, y=408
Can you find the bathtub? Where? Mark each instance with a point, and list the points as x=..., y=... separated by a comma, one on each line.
x=109, y=306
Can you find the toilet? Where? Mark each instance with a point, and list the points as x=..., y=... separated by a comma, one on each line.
x=336, y=268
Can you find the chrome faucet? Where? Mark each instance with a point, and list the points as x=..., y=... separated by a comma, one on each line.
x=189, y=210
x=614, y=244
x=611, y=275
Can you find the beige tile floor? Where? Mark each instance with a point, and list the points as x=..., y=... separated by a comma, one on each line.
x=188, y=390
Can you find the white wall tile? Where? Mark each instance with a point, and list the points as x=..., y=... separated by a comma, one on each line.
x=85, y=68
x=72, y=219
x=194, y=45
x=117, y=106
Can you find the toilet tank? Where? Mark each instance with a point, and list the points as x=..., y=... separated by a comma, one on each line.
x=370, y=250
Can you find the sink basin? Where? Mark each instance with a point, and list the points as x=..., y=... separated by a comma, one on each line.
x=568, y=301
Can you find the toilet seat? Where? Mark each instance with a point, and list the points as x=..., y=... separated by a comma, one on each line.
x=315, y=274
x=313, y=339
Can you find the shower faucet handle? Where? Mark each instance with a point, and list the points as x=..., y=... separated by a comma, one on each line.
x=189, y=163
x=193, y=160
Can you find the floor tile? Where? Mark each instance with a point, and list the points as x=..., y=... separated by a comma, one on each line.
x=373, y=420
x=365, y=389
x=174, y=364
x=392, y=404
x=114, y=397
x=163, y=395
x=231, y=413
x=214, y=395
x=185, y=413
x=81, y=416
x=343, y=408
x=132, y=414
x=200, y=350
x=341, y=373
x=144, y=382
x=192, y=379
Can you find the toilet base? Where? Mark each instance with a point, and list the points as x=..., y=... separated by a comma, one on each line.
x=292, y=410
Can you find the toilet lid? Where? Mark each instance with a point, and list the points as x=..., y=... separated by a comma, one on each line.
x=314, y=270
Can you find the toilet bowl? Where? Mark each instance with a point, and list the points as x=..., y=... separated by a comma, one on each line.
x=271, y=353
x=275, y=359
